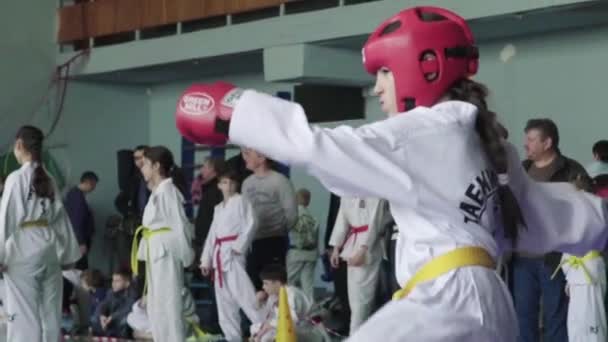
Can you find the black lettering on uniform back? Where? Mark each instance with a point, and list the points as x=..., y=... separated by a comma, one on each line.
x=476, y=196
x=470, y=209
x=484, y=182
x=469, y=219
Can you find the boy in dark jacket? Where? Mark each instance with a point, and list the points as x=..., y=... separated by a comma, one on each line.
x=110, y=318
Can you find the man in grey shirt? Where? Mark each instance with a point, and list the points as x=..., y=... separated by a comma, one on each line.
x=274, y=202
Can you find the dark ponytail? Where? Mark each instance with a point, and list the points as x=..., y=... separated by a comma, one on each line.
x=492, y=136
x=31, y=139
x=177, y=176
x=168, y=169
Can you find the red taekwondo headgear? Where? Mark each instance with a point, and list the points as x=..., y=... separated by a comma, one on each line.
x=404, y=44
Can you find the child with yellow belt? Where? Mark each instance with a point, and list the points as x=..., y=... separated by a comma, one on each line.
x=586, y=287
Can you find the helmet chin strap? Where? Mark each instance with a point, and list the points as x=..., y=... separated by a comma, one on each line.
x=410, y=103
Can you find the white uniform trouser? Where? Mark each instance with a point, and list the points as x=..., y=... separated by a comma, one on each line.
x=362, y=285
x=165, y=305
x=474, y=305
x=586, y=313
x=236, y=293
x=305, y=333
x=34, y=287
x=301, y=274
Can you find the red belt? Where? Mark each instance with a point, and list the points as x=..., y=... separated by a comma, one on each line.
x=218, y=258
x=353, y=232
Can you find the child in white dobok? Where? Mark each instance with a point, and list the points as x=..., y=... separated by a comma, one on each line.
x=165, y=245
x=356, y=239
x=274, y=277
x=586, y=287
x=223, y=256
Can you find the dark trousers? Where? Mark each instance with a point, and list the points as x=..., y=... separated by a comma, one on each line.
x=341, y=292
x=83, y=263
x=392, y=278
x=140, y=279
x=68, y=289
x=388, y=282
x=119, y=329
x=272, y=250
x=531, y=280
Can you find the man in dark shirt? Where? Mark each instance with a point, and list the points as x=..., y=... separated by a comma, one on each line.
x=140, y=193
x=81, y=216
x=210, y=197
x=138, y=198
x=531, y=274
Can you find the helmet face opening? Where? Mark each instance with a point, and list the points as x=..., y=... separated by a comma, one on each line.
x=427, y=49
x=392, y=27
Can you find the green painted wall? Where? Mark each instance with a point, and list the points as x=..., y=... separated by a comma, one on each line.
x=561, y=76
x=28, y=59
x=98, y=121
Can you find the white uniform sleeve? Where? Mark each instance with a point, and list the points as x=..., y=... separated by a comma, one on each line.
x=11, y=211
x=274, y=320
x=207, y=254
x=565, y=265
x=267, y=309
x=344, y=159
x=68, y=249
x=173, y=210
x=558, y=216
x=249, y=224
x=376, y=224
x=341, y=227
x=255, y=328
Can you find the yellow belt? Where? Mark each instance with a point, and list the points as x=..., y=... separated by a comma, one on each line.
x=461, y=257
x=198, y=332
x=146, y=233
x=578, y=262
x=41, y=223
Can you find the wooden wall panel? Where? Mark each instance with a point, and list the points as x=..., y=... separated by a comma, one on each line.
x=70, y=23
x=150, y=12
x=107, y=17
x=100, y=17
x=127, y=17
x=171, y=11
x=189, y=9
x=213, y=8
x=158, y=12
x=240, y=6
